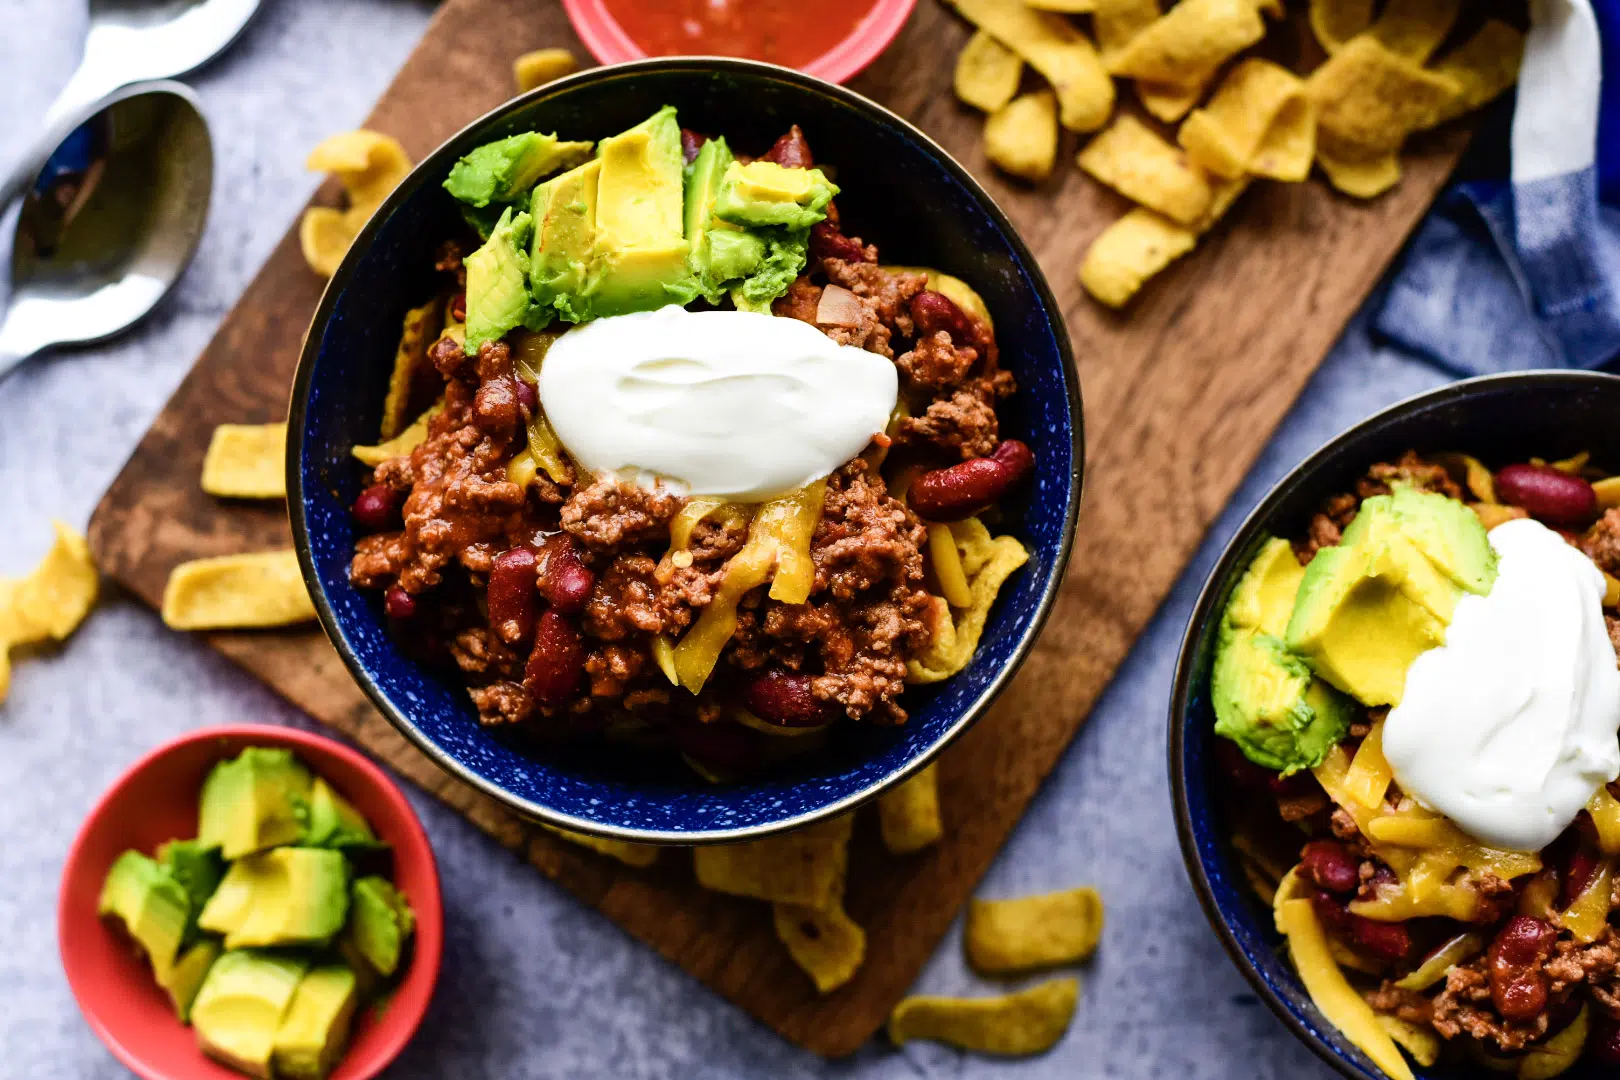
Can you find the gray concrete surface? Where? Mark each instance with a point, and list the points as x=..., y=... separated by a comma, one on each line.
x=534, y=986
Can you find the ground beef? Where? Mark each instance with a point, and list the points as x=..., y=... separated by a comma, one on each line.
x=502, y=703
x=612, y=667
x=1302, y=806
x=1602, y=542
x=625, y=600
x=1464, y=1008
x=610, y=514
x=935, y=363
x=1596, y=964
x=1327, y=526
x=865, y=537
x=883, y=296
x=961, y=426
x=1408, y=1005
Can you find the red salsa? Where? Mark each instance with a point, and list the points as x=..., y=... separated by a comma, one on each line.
x=787, y=32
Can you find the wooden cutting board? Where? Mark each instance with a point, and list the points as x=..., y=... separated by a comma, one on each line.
x=1181, y=392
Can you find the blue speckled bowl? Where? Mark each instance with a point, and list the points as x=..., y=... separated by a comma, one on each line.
x=1499, y=419
x=900, y=191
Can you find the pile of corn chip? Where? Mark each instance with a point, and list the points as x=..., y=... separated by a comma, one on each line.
x=1208, y=118
x=802, y=875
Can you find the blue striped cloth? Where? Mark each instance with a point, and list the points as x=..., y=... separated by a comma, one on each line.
x=1519, y=266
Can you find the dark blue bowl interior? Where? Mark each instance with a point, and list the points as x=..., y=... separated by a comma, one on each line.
x=899, y=192
x=1500, y=419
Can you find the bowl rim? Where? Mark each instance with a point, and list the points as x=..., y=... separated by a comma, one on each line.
x=295, y=739
x=610, y=43
x=433, y=165
x=1298, y=477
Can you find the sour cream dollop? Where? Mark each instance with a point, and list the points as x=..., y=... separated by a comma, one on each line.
x=729, y=403
x=1509, y=726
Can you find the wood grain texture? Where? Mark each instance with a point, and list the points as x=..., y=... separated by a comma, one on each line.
x=1181, y=393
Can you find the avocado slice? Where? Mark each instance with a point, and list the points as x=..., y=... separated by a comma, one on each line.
x=1378, y=600
x=334, y=822
x=314, y=1032
x=152, y=905
x=498, y=281
x=1267, y=702
x=238, y=1010
x=1449, y=534
x=187, y=976
x=503, y=171
x=382, y=924
x=785, y=255
x=639, y=259
x=286, y=896
x=765, y=193
x=564, y=210
x=1265, y=698
x=198, y=868
x=721, y=252
x=254, y=801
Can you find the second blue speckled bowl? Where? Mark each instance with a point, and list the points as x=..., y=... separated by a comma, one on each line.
x=1499, y=419
x=900, y=191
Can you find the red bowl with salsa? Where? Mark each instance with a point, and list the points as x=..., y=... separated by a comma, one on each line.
x=831, y=39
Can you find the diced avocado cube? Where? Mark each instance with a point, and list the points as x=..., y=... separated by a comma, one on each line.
x=198, y=868
x=504, y=171
x=1267, y=702
x=334, y=822
x=765, y=193
x=721, y=253
x=1264, y=597
x=1368, y=607
x=152, y=905
x=639, y=261
x=239, y=1008
x=564, y=210
x=383, y=922
x=1450, y=534
x=498, y=282
x=314, y=1032
x=785, y=254
x=285, y=896
x=189, y=971
x=253, y=802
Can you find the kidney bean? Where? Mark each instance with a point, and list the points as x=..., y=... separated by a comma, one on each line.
x=826, y=242
x=564, y=579
x=1577, y=873
x=556, y=662
x=962, y=490
x=785, y=698
x=1391, y=942
x=1551, y=496
x=1603, y=1044
x=513, y=603
x=1330, y=864
x=791, y=151
x=399, y=604
x=934, y=311
x=1518, y=986
x=1242, y=772
x=528, y=397
x=691, y=143
x=378, y=508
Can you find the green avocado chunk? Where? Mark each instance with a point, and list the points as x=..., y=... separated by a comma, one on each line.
x=238, y=1010
x=1266, y=699
x=198, y=868
x=252, y=802
x=383, y=922
x=564, y=210
x=286, y=896
x=152, y=905
x=503, y=171
x=315, y=1028
x=721, y=252
x=498, y=282
x=187, y=976
x=765, y=193
x=1368, y=607
x=639, y=260
x=334, y=822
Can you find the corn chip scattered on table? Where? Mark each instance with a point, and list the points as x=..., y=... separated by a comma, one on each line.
x=1205, y=116
x=50, y=601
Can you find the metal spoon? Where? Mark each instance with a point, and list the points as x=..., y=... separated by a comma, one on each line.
x=132, y=41
x=111, y=222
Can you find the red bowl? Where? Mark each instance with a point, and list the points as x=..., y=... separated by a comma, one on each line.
x=609, y=43
x=156, y=800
